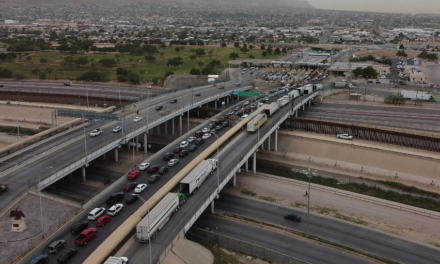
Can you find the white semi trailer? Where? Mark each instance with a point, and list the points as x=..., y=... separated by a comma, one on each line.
x=153, y=222
x=271, y=109
x=283, y=101
x=293, y=94
x=416, y=95
x=197, y=176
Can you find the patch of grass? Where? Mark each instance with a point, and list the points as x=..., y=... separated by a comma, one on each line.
x=268, y=199
x=298, y=205
x=130, y=62
x=23, y=131
x=315, y=239
x=409, y=189
x=436, y=244
x=421, y=202
x=248, y=192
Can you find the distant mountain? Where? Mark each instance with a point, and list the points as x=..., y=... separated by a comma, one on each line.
x=289, y=3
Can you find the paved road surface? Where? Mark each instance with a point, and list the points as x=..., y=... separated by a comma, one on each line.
x=344, y=233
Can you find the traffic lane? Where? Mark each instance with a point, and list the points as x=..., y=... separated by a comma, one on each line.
x=152, y=188
x=285, y=244
x=228, y=158
x=85, y=251
x=83, y=92
x=345, y=233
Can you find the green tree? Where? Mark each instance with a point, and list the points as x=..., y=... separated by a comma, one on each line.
x=236, y=45
x=401, y=47
x=277, y=51
x=49, y=70
x=177, y=49
x=155, y=80
x=234, y=55
x=107, y=62
x=358, y=72
x=192, y=57
x=200, y=52
x=269, y=50
x=369, y=72
x=194, y=71
x=83, y=60
x=5, y=73
x=262, y=47
x=223, y=45
x=134, y=78
x=201, y=64
x=251, y=47
x=264, y=54
x=210, y=52
x=150, y=58
x=244, y=49
x=176, y=61
x=43, y=60
x=284, y=50
x=94, y=75
x=28, y=58
x=121, y=71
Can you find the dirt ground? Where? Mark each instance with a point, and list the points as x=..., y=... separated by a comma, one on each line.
x=290, y=193
x=386, y=53
x=232, y=257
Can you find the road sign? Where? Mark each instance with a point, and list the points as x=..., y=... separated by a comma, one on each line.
x=248, y=94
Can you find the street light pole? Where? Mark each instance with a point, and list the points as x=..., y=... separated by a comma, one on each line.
x=309, y=175
x=218, y=167
x=41, y=204
x=87, y=94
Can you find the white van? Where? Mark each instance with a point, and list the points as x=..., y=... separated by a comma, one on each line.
x=95, y=213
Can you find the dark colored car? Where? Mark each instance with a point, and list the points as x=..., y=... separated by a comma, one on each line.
x=221, y=87
x=40, y=259
x=163, y=170
x=177, y=150
x=66, y=84
x=199, y=142
x=168, y=156
x=114, y=198
x=1, y=85
x=293, y=217
x=240, y=113
x=369, y=81
x=153, y=168
x=225, y=124
x=66, y=255
x=130, y=186
x=193, y=148
x=131, y=199
x=173, y=101
x=154, y=178
x=79, y=227
x=198, y=134
x=184, y=153
x=198, y=94
x=55, y=246
x=218, y=128
x=159, y=107
x=211, y=125
x=237, y=108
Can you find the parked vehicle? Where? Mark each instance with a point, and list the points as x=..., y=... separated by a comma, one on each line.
x=153, y=169
x=168, y=156
x=163, y=170
x=256, y=123
x=86, y=236
x=417, y=95
x=345, y=136
x=55, y=246
x=184, y=144
x=199, y=142
x=130, y=186
x=198, y=175
x=172, y=162
x=153, y=222
x=271, y=109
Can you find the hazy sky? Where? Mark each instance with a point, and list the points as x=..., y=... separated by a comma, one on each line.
x=394, y=6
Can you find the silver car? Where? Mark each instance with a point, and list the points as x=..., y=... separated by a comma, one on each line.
x=117, y=129
x=345, y=136
x=172, y=162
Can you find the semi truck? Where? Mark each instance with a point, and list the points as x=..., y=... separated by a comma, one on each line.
x=293, y=94
x=156, y=219
x=308, y=90
x=416, y=95
x=256, y=123
x=271, y=109
x=300, y=90
x=339, y=84
x=197, y=176
x=116, y=260
x=317, y=87
x=283, y=101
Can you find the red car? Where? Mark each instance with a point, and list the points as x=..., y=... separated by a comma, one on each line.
x=177, y=150
x=129, y=186
x=85, y=236
x=153, y=168
x=103, y=220
x=133, y=174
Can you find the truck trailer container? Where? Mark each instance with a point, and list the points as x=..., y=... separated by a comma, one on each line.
x=339, y=84
x=283, y=101
x=308, y=90
x=416, y=95
x=116, y=260
x=293, y=94
x=256, y=123
x=317, y=87
x=271, y=109
x=156, y=219
x=197, y=176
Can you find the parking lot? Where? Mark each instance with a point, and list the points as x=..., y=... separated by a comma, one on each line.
x=393, y=71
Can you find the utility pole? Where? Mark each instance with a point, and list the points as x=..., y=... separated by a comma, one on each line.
x=309, y=175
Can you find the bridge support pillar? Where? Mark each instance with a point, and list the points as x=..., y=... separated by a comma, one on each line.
x=276, y=139
x=215, y=104
x=137, y=143
x=234, y=180
x=158, y=129
x=310, y=102
x=71, y=176
x=255, y=163
x=296, y=113
x=268, y=142
x=145, y=143
x=166, y=127
x=246, y=166
x=188, y=120
x=103, y=156
x=227, y=100
x=83, y=169
x=180, y=123
x=304, y=107
x=212, y=207
x=116, y=154
x=128, y=144
x=172, y=122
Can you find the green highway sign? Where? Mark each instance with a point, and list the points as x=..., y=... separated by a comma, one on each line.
x=248, y=94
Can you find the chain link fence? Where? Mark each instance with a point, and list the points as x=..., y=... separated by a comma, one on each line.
x=210, y=239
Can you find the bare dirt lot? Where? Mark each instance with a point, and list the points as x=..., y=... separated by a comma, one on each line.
x=386, y=53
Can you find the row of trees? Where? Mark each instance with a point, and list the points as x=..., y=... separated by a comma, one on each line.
x=425, y=55
x=383, y=60
x=368, y=72
x=401, y=53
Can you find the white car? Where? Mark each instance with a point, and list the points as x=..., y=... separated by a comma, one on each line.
x=96, y=132
x=345, y=136
x=137, y=119
x=95, y=213
x=115, y=209
x=140, y=187
x=172, y=162
x=191, y=139
x=184, y=144
x=243, y=117
x=206, y=136
x=144, y=166
x=205, y=130
x=117, y=129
